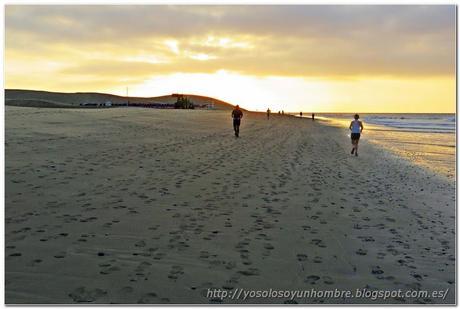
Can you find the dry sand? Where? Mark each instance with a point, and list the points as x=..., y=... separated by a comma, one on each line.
x=157, y=206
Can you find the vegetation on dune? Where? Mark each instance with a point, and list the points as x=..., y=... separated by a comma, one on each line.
x=183, y=103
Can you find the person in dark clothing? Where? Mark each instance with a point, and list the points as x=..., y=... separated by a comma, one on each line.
x=313, y=116
x=237, y=114
x=268, y=113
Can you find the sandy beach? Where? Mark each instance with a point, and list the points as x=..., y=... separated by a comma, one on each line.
x=132, y=205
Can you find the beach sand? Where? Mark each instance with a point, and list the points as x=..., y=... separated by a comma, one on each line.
x=157, y=206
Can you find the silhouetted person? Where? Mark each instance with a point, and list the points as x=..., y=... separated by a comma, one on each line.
x=279, y=112
x=300, y=114
x=237, y=114
x=313, y=116
x=356, y=127
x=282, y=112
x=268, y=113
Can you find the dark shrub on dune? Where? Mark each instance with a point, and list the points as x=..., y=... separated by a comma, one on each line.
x=184, y=103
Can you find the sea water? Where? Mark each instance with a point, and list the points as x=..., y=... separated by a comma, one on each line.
x=425, y=139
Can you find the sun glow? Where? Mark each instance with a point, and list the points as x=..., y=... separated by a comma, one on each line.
x=294, y=94
x=255, y=93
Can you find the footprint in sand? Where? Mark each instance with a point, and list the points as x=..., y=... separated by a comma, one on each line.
x=317, y=260
x=158, y=256
x=376, y=270
x=140, y=244
x=366, y=238
x=312, y=279
x=301, y=257
x=35, y=262
x=108, y=268
x=328, y=280
x=82, y=295
x=250, y=272
x=318, y=242
x=60, y=255
x=175, y=272
x=269, y=246
x=126, y=290
x=148, y=298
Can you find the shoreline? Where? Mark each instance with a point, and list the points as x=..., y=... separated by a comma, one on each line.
x=146, y=206
x=446, y=172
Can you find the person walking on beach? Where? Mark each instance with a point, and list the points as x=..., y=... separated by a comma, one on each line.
x=356, y=127
x=300, y=114
x=268, y=114
x=237, y=114
x=313, y=116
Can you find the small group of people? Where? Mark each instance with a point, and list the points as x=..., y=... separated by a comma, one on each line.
x=312, y=115
x=356, y=126
x=282, y=113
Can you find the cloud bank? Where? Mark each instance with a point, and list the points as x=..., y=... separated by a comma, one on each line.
x=136, y=42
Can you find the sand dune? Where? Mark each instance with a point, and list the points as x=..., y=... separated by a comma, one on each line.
x=35, y=98
x=157, y=206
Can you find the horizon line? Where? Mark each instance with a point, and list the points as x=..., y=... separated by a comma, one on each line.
x=233, y=104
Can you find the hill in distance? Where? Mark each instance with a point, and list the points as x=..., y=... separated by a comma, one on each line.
x=38, y=98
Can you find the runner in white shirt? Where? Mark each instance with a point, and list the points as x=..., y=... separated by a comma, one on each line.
x=356, y=127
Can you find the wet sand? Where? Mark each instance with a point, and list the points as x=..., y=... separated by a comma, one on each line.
x=157, y=206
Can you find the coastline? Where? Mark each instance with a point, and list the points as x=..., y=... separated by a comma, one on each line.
x=176, y=205
x=433, y=151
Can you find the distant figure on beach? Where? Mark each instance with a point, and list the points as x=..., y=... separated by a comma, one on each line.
x=300, y=114
x=279, y=112
x=268, y=113
x=237, y=114
x=356, y=127
x=313, y=116
x=282, y=112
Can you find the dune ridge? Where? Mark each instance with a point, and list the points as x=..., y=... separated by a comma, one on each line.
x=39, y=98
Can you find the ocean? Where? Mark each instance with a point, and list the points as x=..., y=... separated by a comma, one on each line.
x=425, y=139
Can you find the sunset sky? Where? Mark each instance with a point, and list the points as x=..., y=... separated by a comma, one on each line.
x=297, y=57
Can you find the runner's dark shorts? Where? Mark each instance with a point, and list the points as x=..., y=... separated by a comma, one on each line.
x=236, y=122
x=355, y=136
